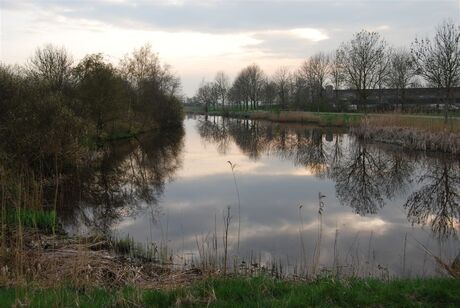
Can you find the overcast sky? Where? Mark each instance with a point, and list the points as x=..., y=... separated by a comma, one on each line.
x=199, y=37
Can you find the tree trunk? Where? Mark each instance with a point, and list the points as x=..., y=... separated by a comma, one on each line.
x=446, y=106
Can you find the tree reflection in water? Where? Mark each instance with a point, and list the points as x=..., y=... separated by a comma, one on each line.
x=366, y=175
x=437, y=201
x=359, y=180
x=123, y=176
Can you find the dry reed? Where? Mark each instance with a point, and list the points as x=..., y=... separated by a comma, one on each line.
x=425, y=134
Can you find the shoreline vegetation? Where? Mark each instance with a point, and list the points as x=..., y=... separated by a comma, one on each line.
x=250, y=292
x=60, y=270
x=58, y=121
x=43, y=265
x=411, y=131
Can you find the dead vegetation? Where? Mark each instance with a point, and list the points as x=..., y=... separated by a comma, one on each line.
x=424, y=134
x=51, y=261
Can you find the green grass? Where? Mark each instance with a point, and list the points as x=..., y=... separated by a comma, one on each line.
x=33, y=219
x=254, y=292
x=68, y=297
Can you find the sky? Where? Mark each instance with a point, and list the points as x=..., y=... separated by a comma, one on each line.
x=200, y=38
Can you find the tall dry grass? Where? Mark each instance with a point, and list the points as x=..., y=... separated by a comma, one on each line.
x=423, y=123
x=414, y=133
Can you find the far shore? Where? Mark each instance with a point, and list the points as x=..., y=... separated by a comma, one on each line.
x=411, y=131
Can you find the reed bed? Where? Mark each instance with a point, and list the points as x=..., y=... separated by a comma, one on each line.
x=420, y=122
x=52, y=260
x=414, y=134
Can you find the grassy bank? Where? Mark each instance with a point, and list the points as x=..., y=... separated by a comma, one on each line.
x=251, y=292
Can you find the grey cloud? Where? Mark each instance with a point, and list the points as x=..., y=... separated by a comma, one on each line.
x=283, y=45
x=280, y=44
x=237, y=16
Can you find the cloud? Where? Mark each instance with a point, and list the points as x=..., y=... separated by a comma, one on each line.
x=314, y=35
x=290, y=43
x=200, y=37
x=238, y=16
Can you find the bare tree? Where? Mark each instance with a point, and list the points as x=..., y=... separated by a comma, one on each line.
x=239, y=92
x=152, y=83
x=222, y=86
x=299, y=91
x=256, y=78
x=248, y=86
x=383, y=72
x=207, y=95
x=401, y=73
x=169, y=83
x=144, y=65
x=336, y=73
x=315, y=71
x=438, y=60
x=269, y=92
x=51, y=65
x=282, y=79
x=361, y=59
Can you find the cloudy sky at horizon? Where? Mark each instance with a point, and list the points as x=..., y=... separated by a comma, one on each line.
x=199, y=38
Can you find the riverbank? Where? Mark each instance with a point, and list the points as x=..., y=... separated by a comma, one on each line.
x=38, y=258
x=414, y=132
x=303, y=117
x=42, y=267
x=250, y=292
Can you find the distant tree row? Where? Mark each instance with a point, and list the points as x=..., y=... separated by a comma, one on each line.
x=52, y=110
x=365, y=62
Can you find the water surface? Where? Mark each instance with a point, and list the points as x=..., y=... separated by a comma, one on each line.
x=380, y=203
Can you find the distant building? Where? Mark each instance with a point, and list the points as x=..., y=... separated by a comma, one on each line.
x=429, y=98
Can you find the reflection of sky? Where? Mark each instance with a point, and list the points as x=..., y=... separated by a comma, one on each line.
x=270, y=191
x=202, y=159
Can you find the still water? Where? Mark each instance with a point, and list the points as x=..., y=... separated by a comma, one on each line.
x=379, y=204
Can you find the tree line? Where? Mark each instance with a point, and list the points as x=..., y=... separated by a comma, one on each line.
x=51, y=105
x=56, y=114
x=366, y=62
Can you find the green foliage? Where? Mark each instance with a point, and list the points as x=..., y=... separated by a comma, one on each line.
x=254, y=292
x=33, y=219
x=54, y=114
x=68, y=297
x=101, y=92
